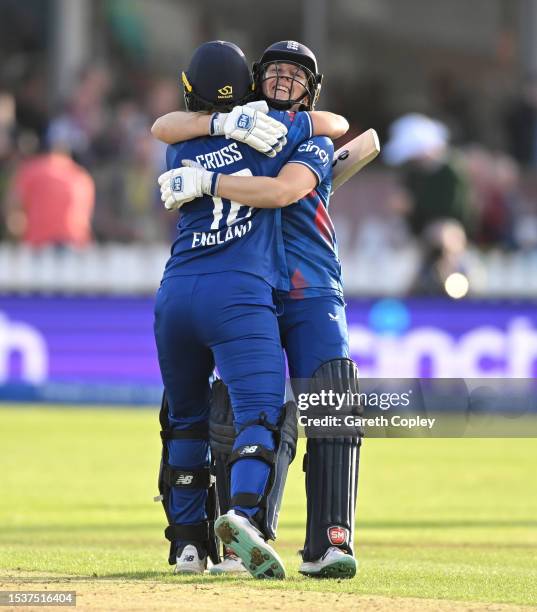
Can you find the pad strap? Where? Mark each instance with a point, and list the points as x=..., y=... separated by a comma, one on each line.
x=197, y=431
x=262, y=420
x=252, y=451
x=198, y=532
x=198, y=478
x=248, y=500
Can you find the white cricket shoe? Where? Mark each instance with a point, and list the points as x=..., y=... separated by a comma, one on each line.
x=259, y=558
x=333, y=564
x=231, y=564
x=190, y=562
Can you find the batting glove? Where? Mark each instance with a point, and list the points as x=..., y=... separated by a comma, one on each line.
x=182, y=185
x=252, y=125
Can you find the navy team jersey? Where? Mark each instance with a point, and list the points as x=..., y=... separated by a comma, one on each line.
x=308, y=233
x=218, y=235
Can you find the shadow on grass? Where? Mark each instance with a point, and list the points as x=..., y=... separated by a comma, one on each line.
x=160, y=576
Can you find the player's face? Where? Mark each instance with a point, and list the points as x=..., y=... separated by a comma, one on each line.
x=283, y=81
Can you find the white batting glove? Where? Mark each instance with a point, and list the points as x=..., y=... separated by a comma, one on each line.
x=182, y=185
x=252, y=125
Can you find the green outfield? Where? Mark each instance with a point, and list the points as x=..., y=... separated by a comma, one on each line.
x=437, y=519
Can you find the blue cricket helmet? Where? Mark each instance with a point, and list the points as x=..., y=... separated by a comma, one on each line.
x=218, y=78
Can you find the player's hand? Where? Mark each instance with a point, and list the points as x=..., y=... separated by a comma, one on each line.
x=179, y=186
x=182, y=185
x=252, y=125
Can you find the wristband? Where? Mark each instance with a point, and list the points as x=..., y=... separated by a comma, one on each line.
x=215, y=178
x=212, y=127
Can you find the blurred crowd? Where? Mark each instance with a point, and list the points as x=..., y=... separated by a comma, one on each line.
x=96, y=156
x=86, y=170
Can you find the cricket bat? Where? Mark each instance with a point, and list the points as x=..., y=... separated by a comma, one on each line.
x=352, y=157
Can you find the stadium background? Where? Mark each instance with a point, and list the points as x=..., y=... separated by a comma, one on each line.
x=76, y=322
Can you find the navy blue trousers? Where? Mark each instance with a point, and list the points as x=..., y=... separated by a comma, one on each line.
x=225, y=319
x=313, y=330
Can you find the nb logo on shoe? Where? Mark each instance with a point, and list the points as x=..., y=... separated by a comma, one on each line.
x=248, y=450
x=338, y=535
x=244, y=122
x=177, y=183
x=184, y=479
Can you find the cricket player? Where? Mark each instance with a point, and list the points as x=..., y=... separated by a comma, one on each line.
x=215, y=307
x=312, y=325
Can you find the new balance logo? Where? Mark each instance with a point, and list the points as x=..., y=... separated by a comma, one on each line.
x=333, y=317
x=248, y=450
x=184, y=479
x=177, y=183
x=291, y=44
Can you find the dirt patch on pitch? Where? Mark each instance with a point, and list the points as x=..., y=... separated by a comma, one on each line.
x=109, y=594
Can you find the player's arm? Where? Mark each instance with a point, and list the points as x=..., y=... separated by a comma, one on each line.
x=262, y=133
x=182, y=185
x=250, y=124
x=328, y=124
x=292, y=183
x=309, y=164
x=179, y=126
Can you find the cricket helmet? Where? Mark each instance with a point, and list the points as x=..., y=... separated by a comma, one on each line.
x=217, y=78
x=290, y=52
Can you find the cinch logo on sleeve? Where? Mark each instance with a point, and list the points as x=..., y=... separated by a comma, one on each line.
x=309, y=147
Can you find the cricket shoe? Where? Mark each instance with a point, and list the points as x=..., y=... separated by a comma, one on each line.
x=190, y=561
x=260, y=559
x=231, y=564
x=333, y=564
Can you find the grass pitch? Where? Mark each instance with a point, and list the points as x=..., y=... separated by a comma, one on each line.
x=438, y=522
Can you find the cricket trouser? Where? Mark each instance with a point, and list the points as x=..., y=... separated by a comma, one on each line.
x=313, y=331
x=225, y=319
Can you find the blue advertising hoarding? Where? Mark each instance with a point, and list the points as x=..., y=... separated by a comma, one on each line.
x=101, y=349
